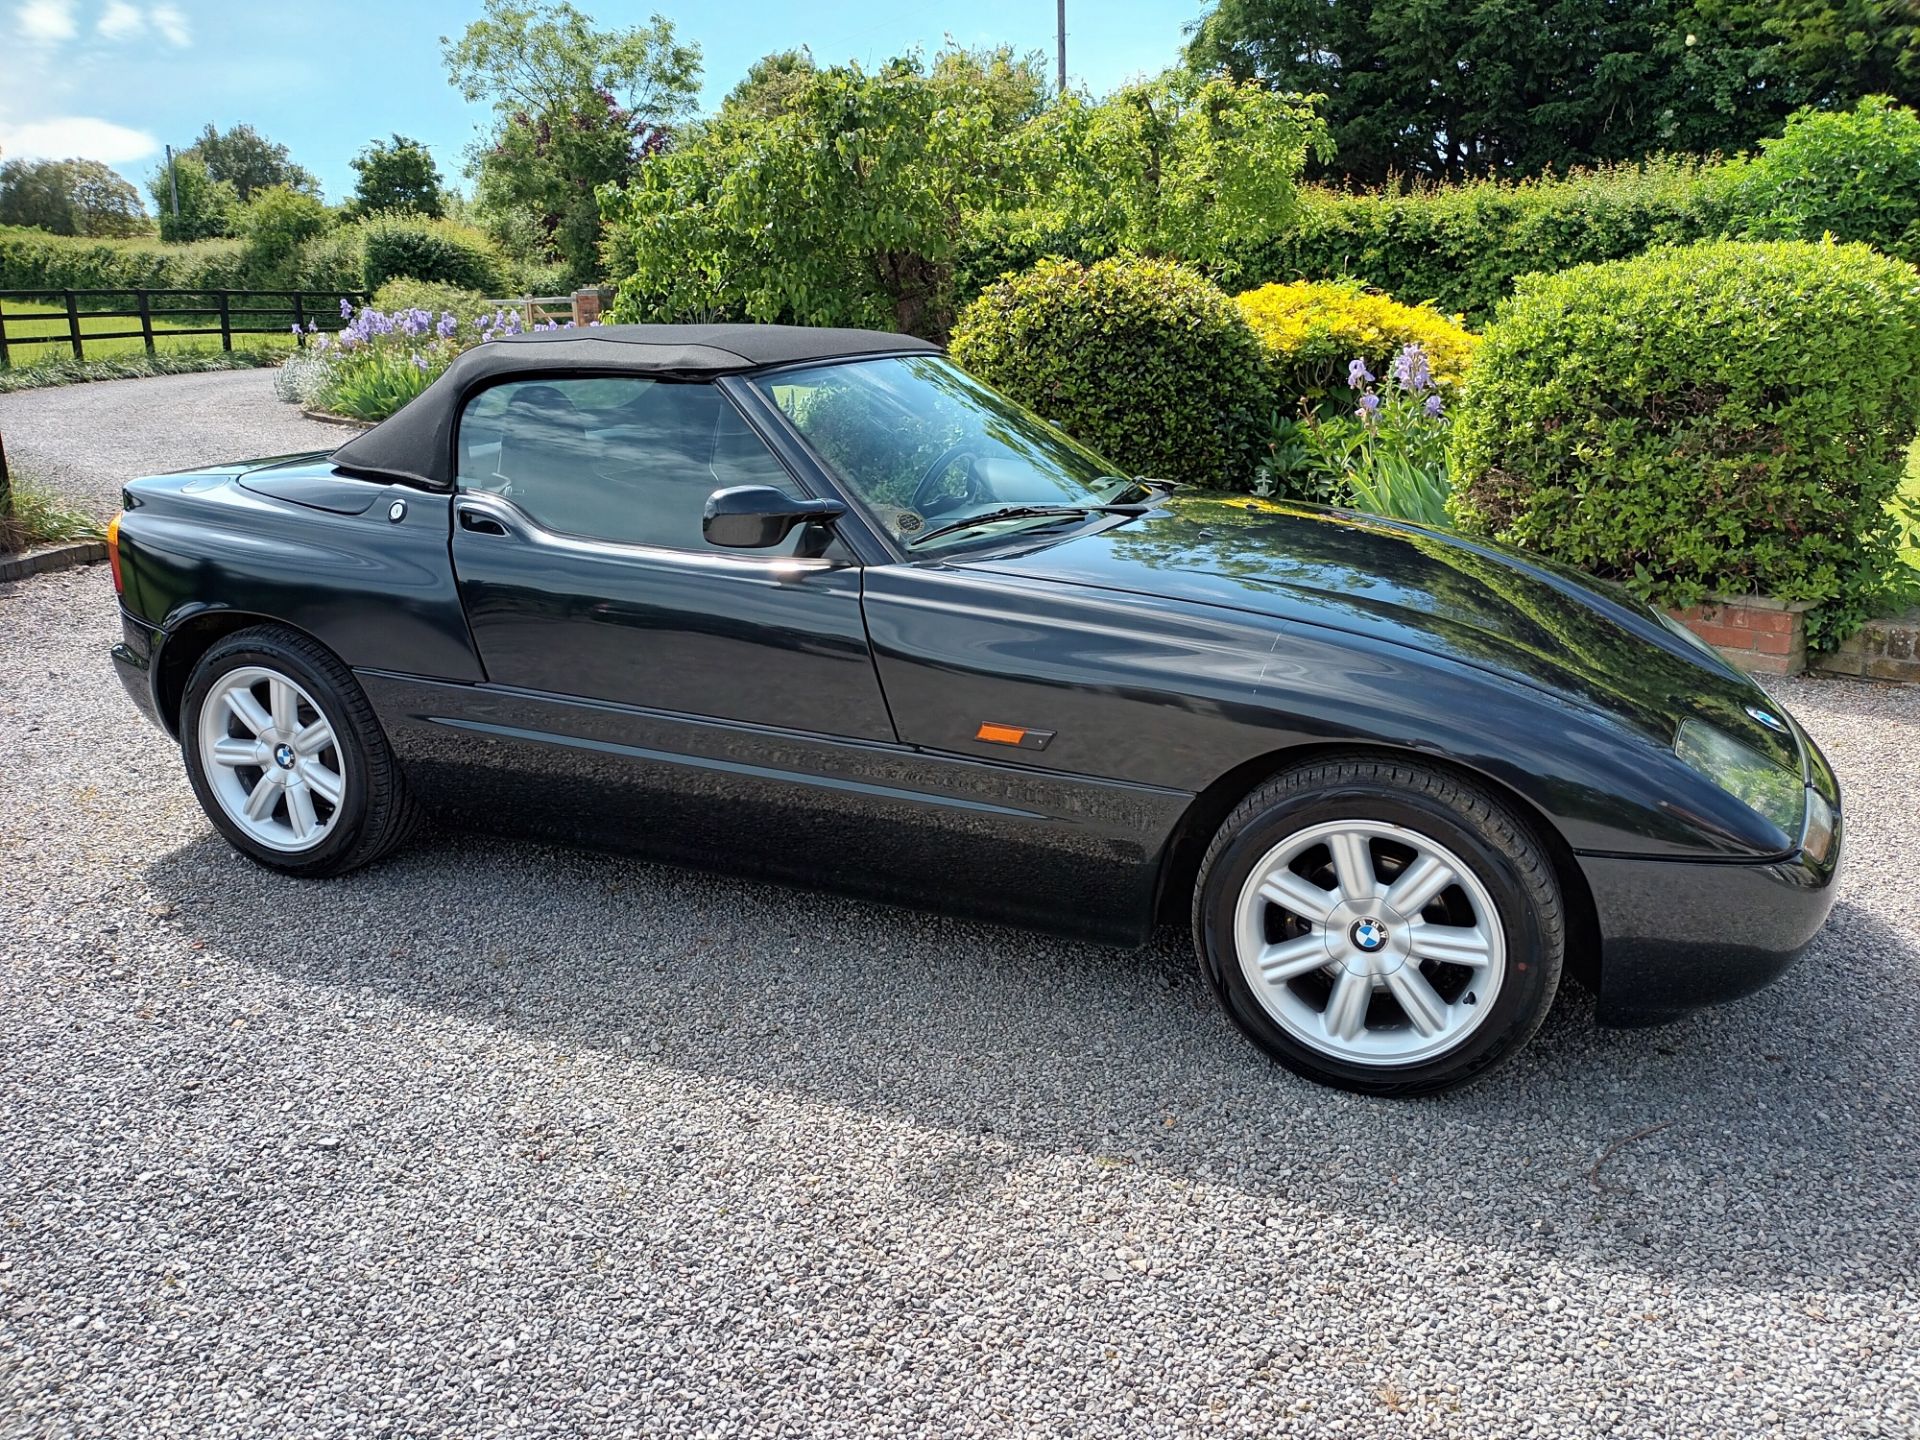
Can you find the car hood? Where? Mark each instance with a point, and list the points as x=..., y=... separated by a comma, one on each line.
x=1463, y=600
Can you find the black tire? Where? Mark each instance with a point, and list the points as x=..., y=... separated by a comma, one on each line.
x=375, y=812
x=1496, y=844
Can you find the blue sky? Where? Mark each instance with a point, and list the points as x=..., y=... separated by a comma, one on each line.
x=113, y=80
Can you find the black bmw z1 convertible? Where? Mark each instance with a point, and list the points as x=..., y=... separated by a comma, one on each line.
x=816, y=605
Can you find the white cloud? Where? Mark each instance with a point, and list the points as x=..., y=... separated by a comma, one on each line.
x=75, y=136
x=121, y=21
x=46, y=22
x=171, y=24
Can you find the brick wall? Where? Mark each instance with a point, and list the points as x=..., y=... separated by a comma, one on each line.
x=1758, y=634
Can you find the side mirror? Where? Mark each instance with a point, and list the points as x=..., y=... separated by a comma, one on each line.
x=752, y=517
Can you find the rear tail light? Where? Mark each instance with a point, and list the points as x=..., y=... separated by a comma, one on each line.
x=113, y=554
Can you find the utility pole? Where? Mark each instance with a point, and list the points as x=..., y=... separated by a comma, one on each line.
x=173, y=180
x=1060, y=29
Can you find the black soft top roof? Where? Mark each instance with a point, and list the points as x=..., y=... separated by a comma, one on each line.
x=416, y=444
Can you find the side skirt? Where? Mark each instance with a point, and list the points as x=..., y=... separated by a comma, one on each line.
x=1067, y=854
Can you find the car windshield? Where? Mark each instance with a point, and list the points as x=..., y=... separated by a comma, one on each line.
x=928, y=450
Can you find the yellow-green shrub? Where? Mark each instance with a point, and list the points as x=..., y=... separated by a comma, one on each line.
x=1312, y=330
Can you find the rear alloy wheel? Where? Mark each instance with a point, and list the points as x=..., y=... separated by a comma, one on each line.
x=286, y=757
x=1380, y=926
x=272, y=759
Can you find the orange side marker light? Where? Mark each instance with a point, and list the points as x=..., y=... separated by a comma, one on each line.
x=113, y=553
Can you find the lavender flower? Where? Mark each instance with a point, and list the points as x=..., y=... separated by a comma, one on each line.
x=1358, y=376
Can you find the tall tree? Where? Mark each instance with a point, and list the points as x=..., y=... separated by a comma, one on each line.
x=1517, y=87
x=249, y=162
x=771, y=86
x=845, y=207
x=575, y=108
x=69, y=197
x=104, y=204
x=400, y=176
x=853, y=202
x=208, y=207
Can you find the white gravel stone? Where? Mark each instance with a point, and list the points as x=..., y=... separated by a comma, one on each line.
x=507, y=1141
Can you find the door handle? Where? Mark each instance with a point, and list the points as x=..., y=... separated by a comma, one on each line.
x=479, y=522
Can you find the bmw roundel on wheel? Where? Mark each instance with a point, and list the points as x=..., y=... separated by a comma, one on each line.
x=818, y=606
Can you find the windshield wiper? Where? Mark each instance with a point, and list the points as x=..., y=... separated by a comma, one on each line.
x=1145, y=485
x=1023, y=512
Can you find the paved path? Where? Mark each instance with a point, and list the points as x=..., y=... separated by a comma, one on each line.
x=86, y=441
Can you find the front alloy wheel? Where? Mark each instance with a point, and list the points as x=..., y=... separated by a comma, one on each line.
x=1380, y=926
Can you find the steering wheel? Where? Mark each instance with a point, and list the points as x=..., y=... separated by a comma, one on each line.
x=924, y=498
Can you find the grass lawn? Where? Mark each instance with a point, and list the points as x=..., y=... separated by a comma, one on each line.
x=24, y=322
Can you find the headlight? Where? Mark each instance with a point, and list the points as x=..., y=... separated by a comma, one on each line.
x=1818, y=841
x=1769, y=788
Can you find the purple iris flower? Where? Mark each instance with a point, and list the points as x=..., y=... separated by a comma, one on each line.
x=1411, y=371
x=1434, y=407
x=1358, y=376
x=1369, y=403
x=448, y=324
x=420, y=362
x=346, y=309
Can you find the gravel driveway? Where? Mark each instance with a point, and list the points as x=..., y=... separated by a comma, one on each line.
x=500, y=1140
x=86, y=441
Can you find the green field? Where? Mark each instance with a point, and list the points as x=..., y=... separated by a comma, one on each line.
x=32, y=320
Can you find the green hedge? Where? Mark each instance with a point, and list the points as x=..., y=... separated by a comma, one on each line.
x=36, y=260
x=1723, y=417
x=1462, y=246
x=362, y=256
x=1143, y=360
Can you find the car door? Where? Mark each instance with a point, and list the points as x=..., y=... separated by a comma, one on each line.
x=643, y=688
x=584, y=573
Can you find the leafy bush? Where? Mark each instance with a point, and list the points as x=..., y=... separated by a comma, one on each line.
x=1144, y=360
x=1313, y=331
x=1854, y=174
x=534, y=277
x=1723, y=417
x=398, y=295
x=276, y=224
x=334, y=260
x=420, y=248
